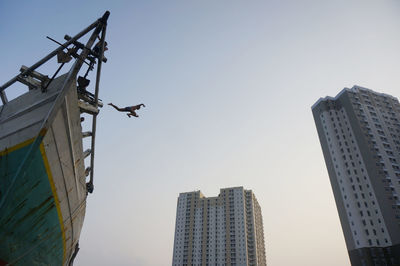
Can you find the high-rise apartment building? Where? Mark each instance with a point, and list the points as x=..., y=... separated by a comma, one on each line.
x=359, y=131
x=222, y=230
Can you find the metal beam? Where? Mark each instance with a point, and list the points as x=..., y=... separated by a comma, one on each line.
x=96, y=99
x=87, y=108
x=49, y=56
x=86, y=153
x=72, y=74
x=34, y=74
x=3, y=97
x=86, y=134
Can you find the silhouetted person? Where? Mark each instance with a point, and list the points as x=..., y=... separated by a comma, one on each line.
x=130, y=109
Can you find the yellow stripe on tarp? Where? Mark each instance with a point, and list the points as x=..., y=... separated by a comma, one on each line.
x=16, y=147
x=53, y=189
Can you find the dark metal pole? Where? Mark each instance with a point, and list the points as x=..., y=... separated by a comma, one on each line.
x=96, y=97
x=71, y=262
x=3, y=97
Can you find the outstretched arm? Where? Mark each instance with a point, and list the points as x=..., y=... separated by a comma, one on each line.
x=116, y=107
x=137, y=107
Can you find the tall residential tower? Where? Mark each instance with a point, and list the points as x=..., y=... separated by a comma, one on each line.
x=359, y=131
x=223, y=230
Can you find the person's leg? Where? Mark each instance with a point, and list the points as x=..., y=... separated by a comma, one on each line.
x=132, y=113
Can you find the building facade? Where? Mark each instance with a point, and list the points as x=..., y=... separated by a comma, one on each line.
x=222, y=230
x=359, y=131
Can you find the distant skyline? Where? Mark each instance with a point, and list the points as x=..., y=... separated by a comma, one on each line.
x=228, y=88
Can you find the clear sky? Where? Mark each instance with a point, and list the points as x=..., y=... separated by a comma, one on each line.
x=228, y=88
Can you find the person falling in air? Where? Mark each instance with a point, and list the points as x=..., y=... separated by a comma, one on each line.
x=130, y=109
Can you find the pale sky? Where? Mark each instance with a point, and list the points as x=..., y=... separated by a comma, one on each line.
x=228, y=88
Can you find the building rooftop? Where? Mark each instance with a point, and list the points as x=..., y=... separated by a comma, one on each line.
x=355, y=88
